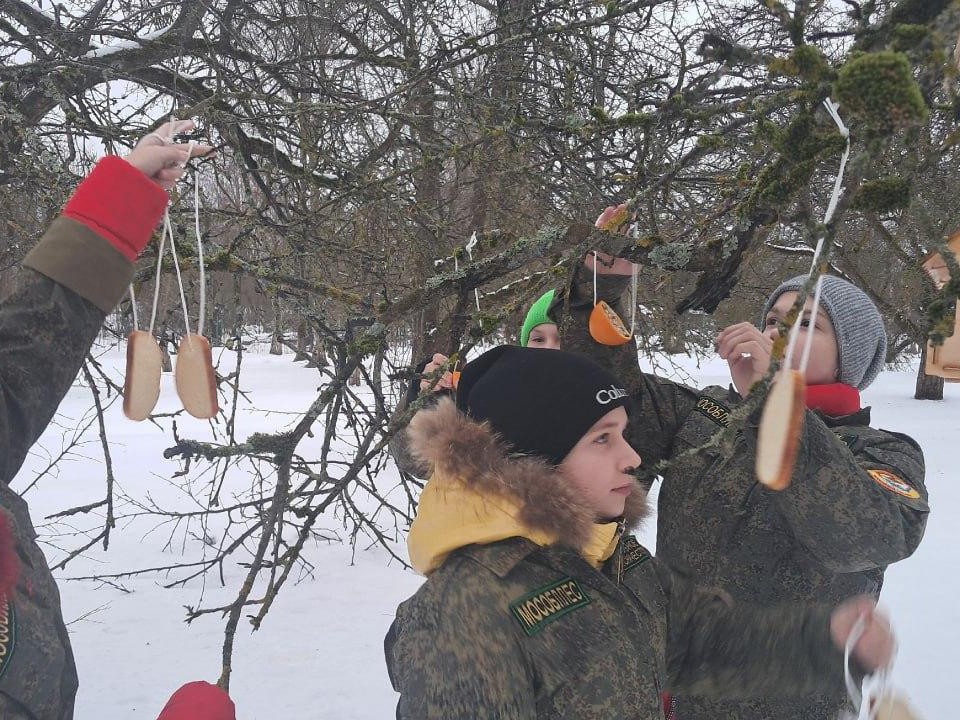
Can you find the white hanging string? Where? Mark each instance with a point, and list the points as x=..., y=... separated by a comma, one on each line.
x=133, y=298
x=594, y=278
x=805, y=359
x=176, y=266
x=469, y=248
x=133, y=307
x=156, y=282
x=795, y=332
x=856, y=632
x=827, y=217
x=166, y=140
x=168, y=230
x=634, y=271
x=201, y=316
x=832, y=108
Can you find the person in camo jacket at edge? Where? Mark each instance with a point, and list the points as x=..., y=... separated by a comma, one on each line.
x=856, y=502
x=50, y=315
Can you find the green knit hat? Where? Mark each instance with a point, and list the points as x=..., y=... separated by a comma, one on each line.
x=538, y=314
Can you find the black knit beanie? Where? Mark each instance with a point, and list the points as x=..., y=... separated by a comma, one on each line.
x=541, y=402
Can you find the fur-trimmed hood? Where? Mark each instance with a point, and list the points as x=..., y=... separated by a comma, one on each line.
x=478, y=493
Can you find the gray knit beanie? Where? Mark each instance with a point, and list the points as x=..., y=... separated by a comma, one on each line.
x=861, y=337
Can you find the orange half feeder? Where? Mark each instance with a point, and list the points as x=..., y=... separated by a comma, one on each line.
x=606, y=327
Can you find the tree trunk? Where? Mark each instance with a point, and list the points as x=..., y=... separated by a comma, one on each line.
x=165, y=340
x=319, y=355
x=276, y=347
x=929, y=387
x=303, y=342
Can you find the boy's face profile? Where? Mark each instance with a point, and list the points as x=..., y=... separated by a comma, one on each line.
x=599, y=466
x=823, y=367
x=545, y=336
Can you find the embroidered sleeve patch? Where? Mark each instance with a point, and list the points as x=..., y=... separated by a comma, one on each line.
x=8, y=635
x=888, y=481
x=713, y=410
x=538, y=609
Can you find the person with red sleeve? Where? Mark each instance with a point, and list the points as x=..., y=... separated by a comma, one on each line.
x=50, y=315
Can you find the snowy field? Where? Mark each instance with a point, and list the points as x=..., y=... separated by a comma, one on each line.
x=318, y=655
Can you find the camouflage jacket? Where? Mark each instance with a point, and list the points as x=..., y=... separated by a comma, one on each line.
x=49, y=317
x=515, y=629
x=856, y=503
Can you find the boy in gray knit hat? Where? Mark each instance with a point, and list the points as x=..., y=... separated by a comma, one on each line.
x=861, y=338
x=856, y=502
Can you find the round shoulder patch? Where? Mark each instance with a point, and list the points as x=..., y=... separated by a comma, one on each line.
x=888, y=481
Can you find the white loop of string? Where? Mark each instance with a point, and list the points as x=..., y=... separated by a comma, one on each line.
x=827, y=217
x=168, y=232
x=166, y=140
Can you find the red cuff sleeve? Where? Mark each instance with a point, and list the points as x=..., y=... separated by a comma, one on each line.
x=9, y=562
x=199, y=701
x=120, y=203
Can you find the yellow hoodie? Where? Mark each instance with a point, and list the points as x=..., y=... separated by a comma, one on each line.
x=452, y=515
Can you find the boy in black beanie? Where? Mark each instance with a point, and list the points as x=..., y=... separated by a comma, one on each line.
x=536, y=605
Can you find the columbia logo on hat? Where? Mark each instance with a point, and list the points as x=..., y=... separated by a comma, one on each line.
x=605, y=397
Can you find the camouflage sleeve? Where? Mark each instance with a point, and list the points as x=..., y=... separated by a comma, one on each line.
x=657, y=406
x=726, y=650
x=45, y=332
x=856, y=501
x=453, y=658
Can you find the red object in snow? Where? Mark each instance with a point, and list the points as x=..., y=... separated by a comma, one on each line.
x=199, y=701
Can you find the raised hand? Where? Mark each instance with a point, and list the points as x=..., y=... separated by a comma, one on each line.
x=163, y=160
x=748, y=353
x=877, y=644
x=446, y=380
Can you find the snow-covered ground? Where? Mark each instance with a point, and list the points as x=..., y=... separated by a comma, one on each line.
x=318, y=655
